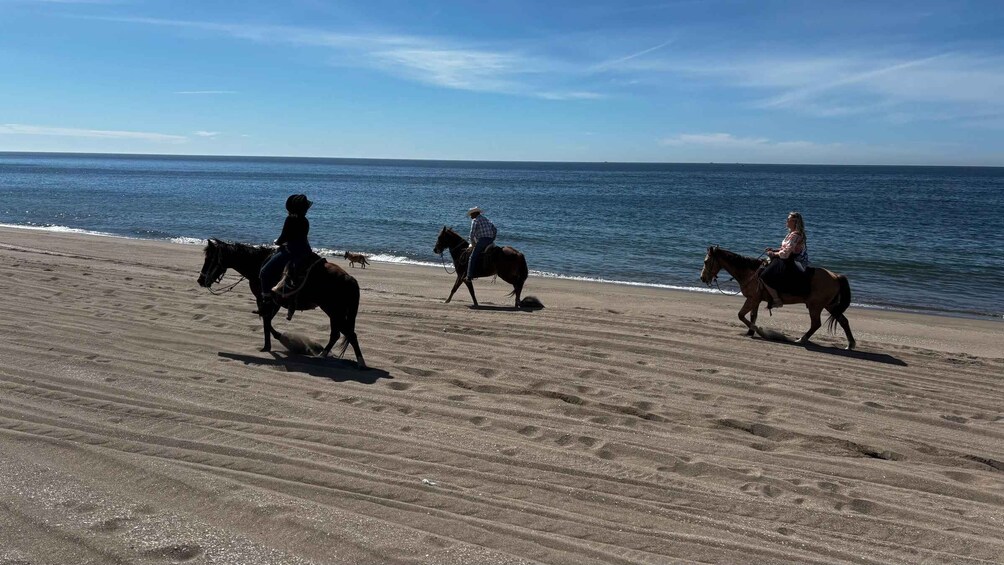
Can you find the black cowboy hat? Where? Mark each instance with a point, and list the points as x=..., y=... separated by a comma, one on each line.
x=298, y=204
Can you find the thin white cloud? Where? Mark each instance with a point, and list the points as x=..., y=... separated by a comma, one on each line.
x=206, y=92
x=616, y=62
x=203, y=133
x=728, y=148
x=963, y=84
x=21, y=129
x=433, y=61
x=714, y=140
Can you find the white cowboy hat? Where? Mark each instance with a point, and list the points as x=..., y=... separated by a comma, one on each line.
x=472, y=211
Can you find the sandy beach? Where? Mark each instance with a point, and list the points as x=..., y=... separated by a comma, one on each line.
x=139, y=423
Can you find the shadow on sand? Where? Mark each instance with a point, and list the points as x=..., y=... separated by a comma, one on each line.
x=778, y=337
x=333, y=368
x=498, y=308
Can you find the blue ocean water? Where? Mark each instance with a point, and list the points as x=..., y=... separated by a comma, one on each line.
x=925, y=238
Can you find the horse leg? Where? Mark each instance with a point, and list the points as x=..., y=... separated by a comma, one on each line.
x=456, y=285
x=842, y=320
x=470, y=287
x=814, y=324
x=267, y=313
x=350, y=337
x=335, y=333
x=751, y=302
x=753, y=315
x=844, y=323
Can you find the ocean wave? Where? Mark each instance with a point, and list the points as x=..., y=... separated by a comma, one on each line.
x=62, y=229
x=188, y=240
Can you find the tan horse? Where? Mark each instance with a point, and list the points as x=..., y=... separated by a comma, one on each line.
x=827, y=290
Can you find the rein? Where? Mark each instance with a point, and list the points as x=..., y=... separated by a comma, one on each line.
x=442, y=259
x=302, y=284
x=717, y=262
x=218, y=263
x=225, y=290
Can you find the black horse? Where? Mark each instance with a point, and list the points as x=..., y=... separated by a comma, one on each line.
x=327, y=287
x=506, y=262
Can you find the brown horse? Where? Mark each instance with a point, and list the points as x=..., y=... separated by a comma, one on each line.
x=827, y=290
x=327, y=287
x=506, y=262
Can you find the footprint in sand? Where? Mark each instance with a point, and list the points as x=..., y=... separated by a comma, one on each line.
x=178, y=553
x=399, y=385
x=871, y=404
x=956, y=419
x=529, y=431
x=416, y=372
x=110, y=526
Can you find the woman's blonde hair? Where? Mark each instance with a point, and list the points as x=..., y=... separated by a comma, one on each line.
x=799, y=224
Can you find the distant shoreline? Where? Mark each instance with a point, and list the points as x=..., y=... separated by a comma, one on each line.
x=370, y=161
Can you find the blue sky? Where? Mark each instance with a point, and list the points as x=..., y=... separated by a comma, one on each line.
x=659, y=81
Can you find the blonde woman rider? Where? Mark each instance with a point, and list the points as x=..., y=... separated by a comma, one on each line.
x=788, y=264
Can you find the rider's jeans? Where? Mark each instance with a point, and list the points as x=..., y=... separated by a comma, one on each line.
x=479, y=248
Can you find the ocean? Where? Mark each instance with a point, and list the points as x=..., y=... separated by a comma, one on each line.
x=909, y=238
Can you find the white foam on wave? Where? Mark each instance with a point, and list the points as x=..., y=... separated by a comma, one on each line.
x=548, y=275
x=62, y=229
x=188, y=240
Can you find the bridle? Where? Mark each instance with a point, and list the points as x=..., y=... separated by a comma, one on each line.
x=452, y=248
x=217, y=263
x=715, y=262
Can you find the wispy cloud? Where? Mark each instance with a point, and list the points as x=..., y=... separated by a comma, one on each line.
x=210, y=92
x=21, y=129
x=202, y=133
x=616, y=62
x=730, y=148
x=713, y=140
x=435, y=61
x=853, y=84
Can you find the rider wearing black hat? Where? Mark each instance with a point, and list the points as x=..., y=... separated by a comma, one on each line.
x=292, y=242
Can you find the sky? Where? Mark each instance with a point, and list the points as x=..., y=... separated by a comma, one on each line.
x=911, y=83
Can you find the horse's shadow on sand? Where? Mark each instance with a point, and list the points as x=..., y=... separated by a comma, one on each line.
x=499, y=308
x=778, y=337
x=331, y=368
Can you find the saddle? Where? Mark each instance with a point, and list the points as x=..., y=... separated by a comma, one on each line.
x=486, y=262
x=790, y=278
x=294, y=278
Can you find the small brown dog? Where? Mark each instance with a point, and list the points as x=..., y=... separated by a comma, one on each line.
x=356, y=258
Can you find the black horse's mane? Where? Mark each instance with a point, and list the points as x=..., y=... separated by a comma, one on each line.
x=739, y=260
x=242, y=251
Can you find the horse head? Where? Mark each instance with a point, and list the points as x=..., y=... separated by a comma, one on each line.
x=212, y=268
x=442, y=242
x=711, y=266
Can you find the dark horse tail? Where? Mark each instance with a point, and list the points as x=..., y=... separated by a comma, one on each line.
x=351, y=309
x=843, y=301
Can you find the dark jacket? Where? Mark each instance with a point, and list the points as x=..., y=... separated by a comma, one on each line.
x=294, y=234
